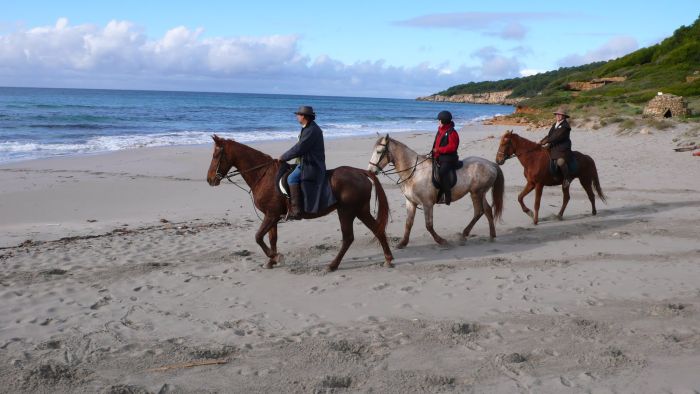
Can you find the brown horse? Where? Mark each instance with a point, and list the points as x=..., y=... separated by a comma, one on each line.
x=351, y=188
x=535, y=161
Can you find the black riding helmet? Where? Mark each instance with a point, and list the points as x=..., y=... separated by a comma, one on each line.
x=444, y=116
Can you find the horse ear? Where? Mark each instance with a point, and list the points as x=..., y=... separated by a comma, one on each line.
x=509, y=131
x=387, y=136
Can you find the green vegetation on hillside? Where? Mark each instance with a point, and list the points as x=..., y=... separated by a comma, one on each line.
x=663, y=67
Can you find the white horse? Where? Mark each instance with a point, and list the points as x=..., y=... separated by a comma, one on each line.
x=476, y=176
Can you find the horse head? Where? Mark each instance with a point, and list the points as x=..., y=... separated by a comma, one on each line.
x=220, y=162
x=380, y=155
x=506, y=149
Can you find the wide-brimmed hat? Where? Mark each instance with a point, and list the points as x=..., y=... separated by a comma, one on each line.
x=561, y=111
x=305, y=110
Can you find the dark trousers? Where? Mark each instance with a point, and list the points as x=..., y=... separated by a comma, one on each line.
x=447, y=163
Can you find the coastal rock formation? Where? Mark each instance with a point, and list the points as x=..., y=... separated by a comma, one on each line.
x=477, y=98
x=667, y=106
x=593, y=83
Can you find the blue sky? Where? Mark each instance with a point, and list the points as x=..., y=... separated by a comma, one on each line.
x=359, y=48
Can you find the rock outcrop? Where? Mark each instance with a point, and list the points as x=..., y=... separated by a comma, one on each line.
x=593, y=83
x=476, y=98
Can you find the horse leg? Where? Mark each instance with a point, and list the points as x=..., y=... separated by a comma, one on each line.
x=489, y=215
x=538, y=198
x=410, y=215
x=272, y=236
x=564, y=202
x=428, y=213
x=587, y=186
x=528, y=188
x=265, y=227
x=371, y=223
x=346, y=219
x=478, y=211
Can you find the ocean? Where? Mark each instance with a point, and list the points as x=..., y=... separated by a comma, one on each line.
x=39, y=123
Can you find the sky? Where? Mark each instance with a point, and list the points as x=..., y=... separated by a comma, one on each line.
x=397, y=49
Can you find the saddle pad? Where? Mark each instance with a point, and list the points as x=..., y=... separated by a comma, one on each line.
x=281, y=178
x=572, y=163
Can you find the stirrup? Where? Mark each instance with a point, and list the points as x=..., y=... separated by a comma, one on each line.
x=566, y=183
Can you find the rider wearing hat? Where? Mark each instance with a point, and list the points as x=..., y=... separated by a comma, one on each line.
x=559, y=143
x=309, y=189
x=445, y=152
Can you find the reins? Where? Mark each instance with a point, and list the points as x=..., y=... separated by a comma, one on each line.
x=395, y=171
x=236, y=172
x=521, y=153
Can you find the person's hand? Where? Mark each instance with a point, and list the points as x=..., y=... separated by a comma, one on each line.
x=545, y=145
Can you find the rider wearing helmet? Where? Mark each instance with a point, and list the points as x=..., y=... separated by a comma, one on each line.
x=445, y=153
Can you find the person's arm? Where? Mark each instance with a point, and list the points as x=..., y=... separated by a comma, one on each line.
x=452, y=144
x=559, y=134
x=301, y=147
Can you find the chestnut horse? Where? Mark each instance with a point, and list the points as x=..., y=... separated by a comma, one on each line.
x=535, y=160
x=351, y=187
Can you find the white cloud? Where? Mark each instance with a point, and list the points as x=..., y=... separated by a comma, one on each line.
x=526, y=72
x=120, y=55
x=613, y=48
x=495, y=66
x=506, y=25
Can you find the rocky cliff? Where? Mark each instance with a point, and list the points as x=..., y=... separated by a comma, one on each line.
x=477, y=98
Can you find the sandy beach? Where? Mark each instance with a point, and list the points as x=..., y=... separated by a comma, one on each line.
x=121, y=271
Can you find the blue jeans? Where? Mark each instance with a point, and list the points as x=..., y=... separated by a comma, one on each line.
x=295, y=177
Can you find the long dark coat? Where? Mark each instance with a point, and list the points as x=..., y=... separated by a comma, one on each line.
x=559, y=141
x=314, y=185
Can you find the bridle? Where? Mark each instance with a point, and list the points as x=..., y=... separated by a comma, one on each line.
x=235, y=172
x=381, y=155
x=512, y=155
x=502, y=153
x=395, y=171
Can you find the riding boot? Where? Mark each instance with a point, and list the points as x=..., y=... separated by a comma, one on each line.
x=448, y=196
x=295, y=211
x=566, y=181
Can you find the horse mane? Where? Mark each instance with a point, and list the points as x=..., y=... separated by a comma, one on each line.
x=401, y=144
x=247, y=149
x=527, y=144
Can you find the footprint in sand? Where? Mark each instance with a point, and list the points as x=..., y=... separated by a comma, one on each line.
x=409, y=289
x=315, y=290
x=380, y=286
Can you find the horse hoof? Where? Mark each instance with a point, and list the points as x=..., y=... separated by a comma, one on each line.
x=278, y=259
x=401, y=245
x=594, y=213
x=530, y=214
x=388, y=264
x=331, y=268
x=269, y=265
x=560, y=217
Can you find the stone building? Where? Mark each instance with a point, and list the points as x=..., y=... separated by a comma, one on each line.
x=667, y=106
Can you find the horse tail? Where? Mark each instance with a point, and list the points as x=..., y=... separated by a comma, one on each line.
x=497, y=194
x=596, y=182
x=380, y=196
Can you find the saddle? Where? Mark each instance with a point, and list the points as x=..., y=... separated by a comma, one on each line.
x=452, y=174
x=281, y=178
x=571, y=162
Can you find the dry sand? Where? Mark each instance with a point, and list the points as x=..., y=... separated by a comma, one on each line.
x=114, y=265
